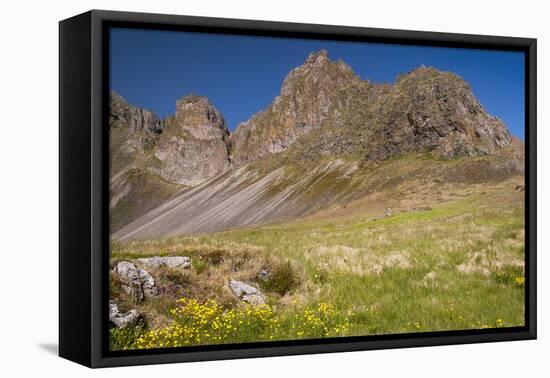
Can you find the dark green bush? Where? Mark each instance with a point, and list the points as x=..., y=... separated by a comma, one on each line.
x=282, y=279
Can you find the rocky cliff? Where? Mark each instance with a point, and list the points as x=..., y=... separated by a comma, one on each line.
x=328, y=110
x=195, y=143
x=431, y=110
x=152, y=159
x=319, y=92
x=133, y=132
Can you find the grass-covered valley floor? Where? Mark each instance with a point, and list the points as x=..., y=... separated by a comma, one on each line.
x=440, y=257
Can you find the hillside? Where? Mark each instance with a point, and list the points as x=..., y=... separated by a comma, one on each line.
x=246, y=196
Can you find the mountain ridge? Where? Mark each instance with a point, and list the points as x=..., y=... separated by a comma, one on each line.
x=323, y=114
x=322, y=91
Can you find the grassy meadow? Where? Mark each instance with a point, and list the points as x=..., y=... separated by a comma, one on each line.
x=455, y=264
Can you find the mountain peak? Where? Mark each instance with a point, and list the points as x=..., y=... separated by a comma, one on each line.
x=423, y=74
x=315, y=93
x=426, y=109
x=114, y=95
x=194, y=111
x=192, y=99
x=117, y=102
x=318, y=57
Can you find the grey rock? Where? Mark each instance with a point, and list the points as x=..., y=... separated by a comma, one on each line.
x=121, y=320
x=247, y=293
x=137, y=282
x=167, y=261
x=422, y=208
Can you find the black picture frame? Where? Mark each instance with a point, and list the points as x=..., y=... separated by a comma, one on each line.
x=84, y=193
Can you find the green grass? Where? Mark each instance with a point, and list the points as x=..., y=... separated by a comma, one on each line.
x=124, y=338
x=456, y=266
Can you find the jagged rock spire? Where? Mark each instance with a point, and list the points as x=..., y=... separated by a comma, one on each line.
x=317, y=57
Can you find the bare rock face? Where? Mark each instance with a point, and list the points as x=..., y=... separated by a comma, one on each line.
x=137, y=282
x=183, y=262
x=431, y=110
x=316, y=93
x=247, y=293
x=184, y=149
x=120, y=320
x=138, y=129
x=325, y=109
x=195, y=144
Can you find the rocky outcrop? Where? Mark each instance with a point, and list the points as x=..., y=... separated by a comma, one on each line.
x=133, y=131
x=135, y=120
x=184, y=149
x=431, y=110
x=195, y=144
x=136, y=282
x=120, y=320
x=247, y=293
x=173, y=262
x=324, y=109
x=134, y=189
x=151, y=159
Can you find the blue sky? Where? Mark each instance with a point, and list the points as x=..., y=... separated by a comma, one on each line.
x=241, y=75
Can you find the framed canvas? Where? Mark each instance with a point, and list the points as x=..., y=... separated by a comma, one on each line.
x=234, y=188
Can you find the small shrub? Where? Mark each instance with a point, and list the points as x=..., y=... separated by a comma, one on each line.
x=282, y=279
x=241, y=260
x=200, y=265
x=215, y=257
